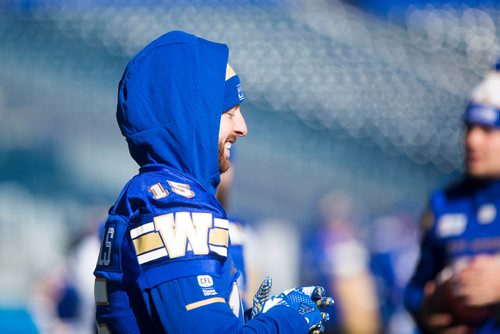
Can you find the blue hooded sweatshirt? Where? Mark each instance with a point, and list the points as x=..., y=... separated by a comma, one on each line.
x=165, y=265
x=169, y=104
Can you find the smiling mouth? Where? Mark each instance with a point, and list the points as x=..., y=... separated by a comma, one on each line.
x=229, y=142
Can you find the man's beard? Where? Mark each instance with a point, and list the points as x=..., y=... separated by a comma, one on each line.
x=224, y=162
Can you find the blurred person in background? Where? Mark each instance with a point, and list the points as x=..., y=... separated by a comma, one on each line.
x=456, y=284
x=394, y=251
x=251, y=246
x=238, y=232
x=164, y=265
x=337, y=257
x=64, y=299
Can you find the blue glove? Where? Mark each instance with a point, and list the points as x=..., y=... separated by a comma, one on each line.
x=307, y=301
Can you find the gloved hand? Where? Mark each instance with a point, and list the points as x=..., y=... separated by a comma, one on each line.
x=261, y=296
x=307, y=301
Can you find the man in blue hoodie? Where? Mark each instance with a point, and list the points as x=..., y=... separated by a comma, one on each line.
x=456, y=285
x=164, y=264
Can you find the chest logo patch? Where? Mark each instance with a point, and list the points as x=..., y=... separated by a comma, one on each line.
x=451, y=225
x=486, y=214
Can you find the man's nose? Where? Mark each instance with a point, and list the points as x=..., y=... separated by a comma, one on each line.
x=473, y=136
x=240, y=125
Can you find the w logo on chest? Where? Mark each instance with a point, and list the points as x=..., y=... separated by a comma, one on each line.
x=176, y=234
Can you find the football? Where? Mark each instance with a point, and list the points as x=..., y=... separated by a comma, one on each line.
x=447, y=301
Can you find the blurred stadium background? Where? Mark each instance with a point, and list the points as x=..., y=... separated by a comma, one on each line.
x=363, y=97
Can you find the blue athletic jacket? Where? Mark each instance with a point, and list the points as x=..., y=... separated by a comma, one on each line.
x=462, y=222
x=165, y=264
